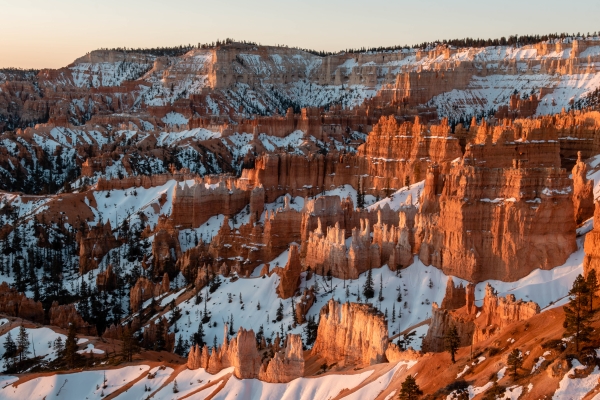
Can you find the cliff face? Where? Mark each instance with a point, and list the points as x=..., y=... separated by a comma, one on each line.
x=501, y=212
x=351, y=333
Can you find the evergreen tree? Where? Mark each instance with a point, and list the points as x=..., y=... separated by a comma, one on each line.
x=260, y=335
x=294, y=316
x=279, y=314
x=310, y=331
x=368, y=290
x=179, y=348
x=159, y=343
x=577, y=316
x=10, y=350
x=22, y=343
x=199, y=335
x=70, y=350
x=593, y=286
x=393, y=312
x=409, y=389
x=515, y=360
x=452, y=341
x=380, y=298
x=231, y=329
x=130, y=345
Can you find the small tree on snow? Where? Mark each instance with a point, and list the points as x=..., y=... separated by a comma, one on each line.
x=368, y=290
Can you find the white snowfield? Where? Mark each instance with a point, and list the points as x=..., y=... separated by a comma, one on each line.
x=75, y=386
x=141, y=382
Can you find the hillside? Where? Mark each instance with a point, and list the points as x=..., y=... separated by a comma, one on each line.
x=246, y=221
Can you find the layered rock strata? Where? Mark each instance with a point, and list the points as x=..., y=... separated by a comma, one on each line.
x=351, y=334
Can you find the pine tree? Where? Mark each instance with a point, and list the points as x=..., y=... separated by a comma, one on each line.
x=10, y=350
x=279, y=314
x=452, y=341
x=515, y=360
x=231, y=329
x=294, y=316
x=70, y=351
x=393, y=312
x=199, y=335
x=380, y=298
x=175, y=387
x=310, y=331
x=577, y=316
x=22, y=343
x=179, y=348
x=130, y=345
x=160, y=342
x=368, y=290
x=409, y=389
x=593, y=286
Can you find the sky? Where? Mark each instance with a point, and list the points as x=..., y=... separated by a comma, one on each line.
x=53, y=33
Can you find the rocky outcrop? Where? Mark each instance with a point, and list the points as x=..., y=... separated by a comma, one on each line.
x=583, y=192
x=106, y=280
x=394, y=354
x=351, y=333
x=475, y=325
x=304, y=303
x=155, y=330
x=17, y=304
x=65, y=315
x=165, y=251
x=327, y=254
x=95, y=245
x=145, y=289
x=441, y=321
x=290, y=274
x=455, y=296
x=286, y=365
x=498, y=313
x=242, y=354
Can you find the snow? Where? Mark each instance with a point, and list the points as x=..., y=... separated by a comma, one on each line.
x=542, y=286
x=538, y=364
x=90, y=349
x=80, y=385
x=396, y=200
x=196, y=134
x=513, y=392
x=373, y=389
x=189, y=382
x=501, y=373
x=41, y=341
x=293, y=140
x=414, y=283
x=569, y=388
x=464, y=371
x=321, y=388
x=174, y=118
x=137, y=391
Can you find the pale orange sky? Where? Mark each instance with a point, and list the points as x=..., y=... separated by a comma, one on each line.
x=53, y=33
